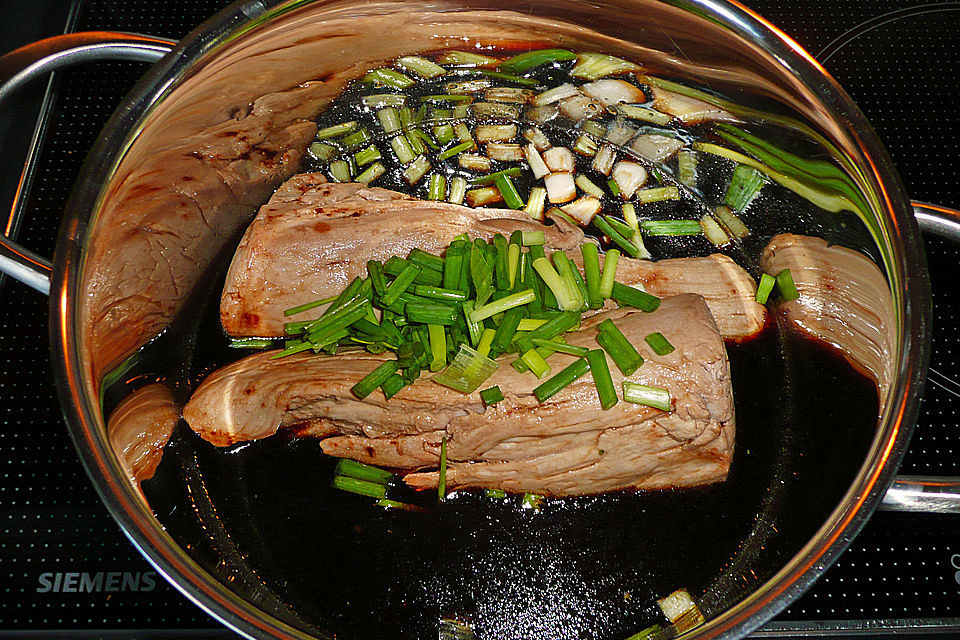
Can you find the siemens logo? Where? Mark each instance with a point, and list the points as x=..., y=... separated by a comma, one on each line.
x=96, y=582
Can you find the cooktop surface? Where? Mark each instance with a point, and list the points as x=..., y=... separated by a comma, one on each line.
x=66, y=570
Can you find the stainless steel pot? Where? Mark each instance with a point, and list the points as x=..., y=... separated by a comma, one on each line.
x=253, y=48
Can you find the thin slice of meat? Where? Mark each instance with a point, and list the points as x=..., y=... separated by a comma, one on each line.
x=568, y=445
x=140, y=427
x=313, y=238
x=726, y=287
x=844, y=300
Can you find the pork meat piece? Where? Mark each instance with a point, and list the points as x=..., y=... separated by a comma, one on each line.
x=140, y=427
x=568, y=445
x=724, y=285
x=313, y=238
x=844, y=300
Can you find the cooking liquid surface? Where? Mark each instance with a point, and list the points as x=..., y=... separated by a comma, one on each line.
x=263, y=517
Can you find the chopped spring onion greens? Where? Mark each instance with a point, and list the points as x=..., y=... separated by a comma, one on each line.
x=623, y=354
x=660, y=345
x=340, y=171
x=535, y=363
x=566, y=299
x=610, y=261
x=603, y=223
x=647, y=396
x=292, y=311
x=491, y=396
x=591, y=269
x=392, y=385
x=630, y=216
x=388, y=78
x=531, y=59
x=425, y=313
x=503, y=304
x=630, y=297
x=534, y=207
x=564, y=378
x=644, y=114
x=593, y=66
x=529, y=238
x=474, y=162
x=357, y=139
x=687, y=167
x=588, y=187
x=374, y=379
x=745, y=184
x=509, y=77
x=513, y=263
x=467, y=86
x=454, y=150
x=486, y=340
x=371, y=173
x=671, y=227
x=416, y=169
x=401, y=147
x=765, y=288
x=466, y=59
x=336, y=130
x=251, y=343
x=483, y=181
x=468, y=370
x=657, y=194
x=529, y=324
x=360, y=471
x=421, y=66
x=601, y=378
x=384, y=100
x=532, y=501
x=509, y=192
x=437, y=189
x=788, y=288
x=361, y=487
x=389, y=119
x=561, y=347
x=438, y=346
x=733, y=224
x=612, y=185
x=398, y=286
x=552, y=328
x=713, y=231
x=439, y=293
x=323, y=151
x=442, y=484
x=366, y=156
x=499, y=494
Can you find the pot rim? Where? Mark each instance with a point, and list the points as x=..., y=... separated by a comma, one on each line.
x=143, y=529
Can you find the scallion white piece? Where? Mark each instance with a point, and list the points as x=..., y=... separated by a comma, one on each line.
x=648, y=396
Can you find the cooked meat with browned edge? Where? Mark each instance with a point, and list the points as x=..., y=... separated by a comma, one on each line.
x=313, y=238
x=844, y=300
x=140, y=427
x=565, y=446
x=726, y=287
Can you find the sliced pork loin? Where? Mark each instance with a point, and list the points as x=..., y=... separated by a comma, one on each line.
x=844, y=300
x=565, y=446
x=312, y=238
x=727, y=288
x=140, y=427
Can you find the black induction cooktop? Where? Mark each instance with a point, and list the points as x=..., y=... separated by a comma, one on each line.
x=66, y=570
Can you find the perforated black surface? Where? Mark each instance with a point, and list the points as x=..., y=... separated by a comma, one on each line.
x=902, y=567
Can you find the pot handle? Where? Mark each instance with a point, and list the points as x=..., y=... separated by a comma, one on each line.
x=27, y=63
x=920, y=493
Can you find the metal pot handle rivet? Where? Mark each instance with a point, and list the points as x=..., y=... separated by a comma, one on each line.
x=32, y=61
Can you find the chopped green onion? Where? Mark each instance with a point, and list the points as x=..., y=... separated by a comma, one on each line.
x=648, y=396
x=585, y=145
x=483, y=196
x=357, y=139
x=745, y=183
x=384, y=100
x=532, y=501
x=340, y=171
x=603, y=223
x=620, y=227
x=671, y=227
x=360, y=471
x=467, y=86
x=607, y=280
x=416, y=170
x=660, y=345
x=389, y=78
x=571, y=278
x=486, y=340
x=733, y=224
x=442, y=484
x=509, y=77
x=563, y=379
x=366, y=156
x=431, y=313
x=620, y=350
x=291, y=348
x=765, y=287
x=552, y=328
x=374, y=379
x=657, y=194
x=421, y=66
x=447, y=97
x=336, y=130
x=466, y=59
x=613, y=186
x=529, y=60
x=292, y=311
x=323, y=151
x=468, y=371
x=389, y=119
x=713, y=231
x=398, y=286
x=458, y=189
x=566, y=300
x=509, y=192
x=513, y=261
x=454, y=150
x=251, y=343
x=425, y=259
x=491, y=396
x=529, y=324
x=535, y=363
x=438, y=346
x=601, y=378
x=402, y=149
x=371, y=173
x=503, y=304
x=630, y=297
x=498, y=494
x=528, y=238
x=588, y=187
x=561, y=347
x=360, y=487
x=644, y=114
x=501, y=268
x=593, y=66
x=491, y=178
x=475, y=329
x=439, y=293
x=437, y=189
x=630, y=216
x=788, y=288
x=481, y=274
x=687, y=167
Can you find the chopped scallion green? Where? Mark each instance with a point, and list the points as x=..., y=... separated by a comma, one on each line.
x=601, y=378
x=671, y=227
x=468, y=370
x=765, y=288
x=660, y=345
x=421, y=66
x=630, y=297
x=535, y=363
x=503, y=304
x=491, y=396
x=788, y=288
x=745, y=184
x=388, y=78
x=610, y=261
x=620, y=350
x=360, y=471
x=560, y=381
x=374, y=379
x=360, y=487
